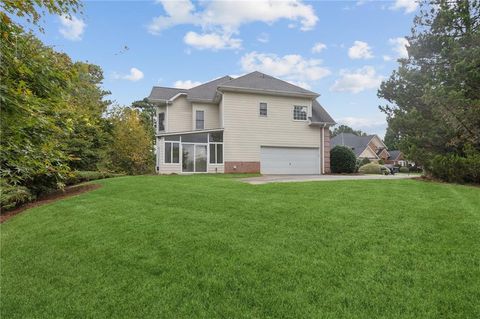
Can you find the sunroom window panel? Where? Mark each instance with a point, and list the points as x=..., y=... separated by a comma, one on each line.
x=195, y=138
x=176, y=153
x=216, y=137
x=172, y=138
x=212, y=154
x=168, y=152
x=219, y=153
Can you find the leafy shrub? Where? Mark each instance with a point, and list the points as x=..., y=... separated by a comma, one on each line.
x=364, y=161
x=414, y=169
x=372, y=168
x=360, y=162
x=12, y=196
x=85, y=176
x=381, y=162
x=404, y=169
x=342, y=160
x=457, y=169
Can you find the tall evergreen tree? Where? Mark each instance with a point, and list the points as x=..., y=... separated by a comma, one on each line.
x=434, y=95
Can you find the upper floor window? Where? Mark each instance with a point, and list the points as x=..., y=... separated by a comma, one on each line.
x=199, y=120
x=300, y=113
x=263, y=109
x=161, y=121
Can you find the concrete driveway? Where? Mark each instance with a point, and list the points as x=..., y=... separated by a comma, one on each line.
x=265, y=179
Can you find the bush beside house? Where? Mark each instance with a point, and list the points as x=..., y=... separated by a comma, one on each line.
x=342, y=160
x=404, y=169
x=373, y=168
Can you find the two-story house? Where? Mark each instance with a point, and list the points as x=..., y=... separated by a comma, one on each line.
x=254, y=123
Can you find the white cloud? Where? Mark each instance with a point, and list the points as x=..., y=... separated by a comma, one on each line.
x=263, y=37
x=72, y=29
x=224, y=18
x=399, y=46
x=292, y=67
x=408, y=5
x=301, y=84
x=187, y=84
x=230, y=15
x=360, y=50
x=387, y=58
x=358, y=80
x=135, y=75
x=211, y=41
x=319, y=47
x=361, y=122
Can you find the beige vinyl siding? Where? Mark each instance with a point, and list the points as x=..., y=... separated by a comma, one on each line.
x=376, y=143
x=245, y=131
x=220, y=114
x=368, y=153
x=212, y=115
x=179, y=115
x=211, y=168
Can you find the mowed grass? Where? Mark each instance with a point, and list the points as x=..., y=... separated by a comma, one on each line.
x=213, y=247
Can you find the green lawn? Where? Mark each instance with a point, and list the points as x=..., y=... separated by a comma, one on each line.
x=213, y=247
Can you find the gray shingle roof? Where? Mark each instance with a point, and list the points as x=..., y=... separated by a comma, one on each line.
x=319, y=114
x=258, y=81
x=163, y=93
x=207, y=91
x=357, y=143
x=394, y=154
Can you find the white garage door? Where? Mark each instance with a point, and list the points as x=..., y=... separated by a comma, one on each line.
x=289, y=160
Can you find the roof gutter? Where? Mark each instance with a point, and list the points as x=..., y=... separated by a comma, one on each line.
x=323, y=124
x=167, y=100
x=191, y=132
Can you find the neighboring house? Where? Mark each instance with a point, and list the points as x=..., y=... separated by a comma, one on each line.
x=254, y=123
x=368, y=146
x=396, y=158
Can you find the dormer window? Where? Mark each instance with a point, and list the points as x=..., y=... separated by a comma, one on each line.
x=300, y=113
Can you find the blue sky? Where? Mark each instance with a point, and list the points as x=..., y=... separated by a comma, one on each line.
x=339, y=49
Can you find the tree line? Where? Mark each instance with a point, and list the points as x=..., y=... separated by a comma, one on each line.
x=56, y=119
x=433, y=113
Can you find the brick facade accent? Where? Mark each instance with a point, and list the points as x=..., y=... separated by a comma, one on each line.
x=326, y=149
x=242, y=167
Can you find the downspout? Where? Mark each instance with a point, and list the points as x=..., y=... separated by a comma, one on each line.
x=323, y=149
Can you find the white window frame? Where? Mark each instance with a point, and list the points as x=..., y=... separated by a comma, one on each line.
x=171, y=151
x=260, y=109
x=306, y=113
x=196, y=112
x=216, y=153
x=164, y=121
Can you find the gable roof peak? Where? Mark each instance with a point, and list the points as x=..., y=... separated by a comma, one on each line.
x=263, y=83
